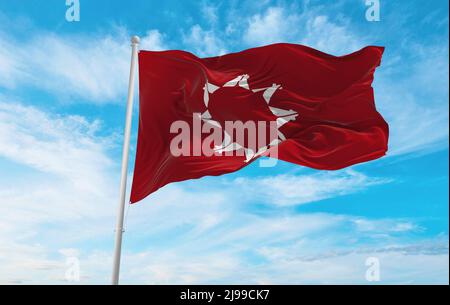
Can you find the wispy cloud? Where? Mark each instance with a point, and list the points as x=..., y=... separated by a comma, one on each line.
x=274, y=25
x=11, y=67
x=220, y=238
x=91, y=69
x=65, y=177
x=334, y=38
x=61, y=145
x=310, y=27
x=276, y=265
x=269, y=248
x=288, y=190
x=414, y=100
x=204, y=42
x=210, y=12
x=215, y=232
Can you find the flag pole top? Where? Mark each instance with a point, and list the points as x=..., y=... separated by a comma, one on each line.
x=135, y=40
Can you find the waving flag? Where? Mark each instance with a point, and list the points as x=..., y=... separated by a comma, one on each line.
x=315, y=109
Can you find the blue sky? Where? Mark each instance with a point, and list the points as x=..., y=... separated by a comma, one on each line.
x=62, y=108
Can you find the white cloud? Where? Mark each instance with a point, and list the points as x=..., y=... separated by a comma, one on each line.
x=275, y=25
x=396, y=268
x=204, y=42
x=286, y=190
x=416, y=104
x=10, y=64
x=413, y=127
x=66, y=146
x=94, y=69
x=210, y=12
x=329, y=37
x=69, y=210
x=277, y=265
x=384, y=227
x=59, y=193
x=245, y=248
x=282, y=24
x=153, y=41
x=188, y=234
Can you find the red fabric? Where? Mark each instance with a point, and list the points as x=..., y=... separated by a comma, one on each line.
x=337, y=124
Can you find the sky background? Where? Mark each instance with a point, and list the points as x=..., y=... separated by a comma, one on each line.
x=63, y=87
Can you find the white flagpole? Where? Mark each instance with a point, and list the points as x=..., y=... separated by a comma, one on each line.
x=125, y=152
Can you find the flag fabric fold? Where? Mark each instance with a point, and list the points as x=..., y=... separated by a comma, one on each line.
x=319, y=108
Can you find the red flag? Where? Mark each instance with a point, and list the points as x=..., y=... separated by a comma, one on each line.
x=311, y=108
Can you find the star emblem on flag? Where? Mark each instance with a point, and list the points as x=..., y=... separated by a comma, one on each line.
x=281, y=116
